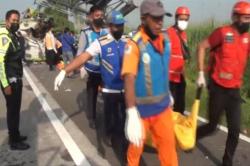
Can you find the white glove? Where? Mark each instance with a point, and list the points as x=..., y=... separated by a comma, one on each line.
x=134, y=127
x=83, y=72
x=171, y=104
x=58, y=80
x=201, y=79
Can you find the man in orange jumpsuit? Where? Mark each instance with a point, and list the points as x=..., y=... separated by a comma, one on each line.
x=147, y=94
x=179, y=53
x=229, y=50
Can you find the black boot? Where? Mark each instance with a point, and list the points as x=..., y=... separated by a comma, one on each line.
x=19, y=146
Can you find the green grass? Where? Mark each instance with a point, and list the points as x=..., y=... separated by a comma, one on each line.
x=197, y=33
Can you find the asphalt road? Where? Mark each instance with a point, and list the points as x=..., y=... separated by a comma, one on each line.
x=69, y=106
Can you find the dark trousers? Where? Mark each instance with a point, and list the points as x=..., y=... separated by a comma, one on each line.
x=93, y=82
x=228, y=100
x=178, y=91
x=50, y=58
x=13, y=105
x=114, y=113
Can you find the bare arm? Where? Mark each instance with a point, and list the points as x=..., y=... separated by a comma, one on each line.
x=201, y=52
x=77, y=62
x=129, y=80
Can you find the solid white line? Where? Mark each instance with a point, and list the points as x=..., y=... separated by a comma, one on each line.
x=73, y=149
x=222, y=128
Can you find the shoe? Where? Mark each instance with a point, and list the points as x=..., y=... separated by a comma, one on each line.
x=19, y=146
x=92, y=124
x=107, y=140
x=22, y=138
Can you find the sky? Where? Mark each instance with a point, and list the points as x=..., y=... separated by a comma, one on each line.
x=201, y=10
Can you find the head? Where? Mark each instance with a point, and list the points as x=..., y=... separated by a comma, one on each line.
x=49, y=25
x=152, y=14
x=182, y=15
x=96, y=16
x=66, y=30
x=116, y=22
x=241, y=16
x=12, y=20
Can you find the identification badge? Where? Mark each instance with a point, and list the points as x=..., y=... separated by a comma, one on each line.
x=227, y=76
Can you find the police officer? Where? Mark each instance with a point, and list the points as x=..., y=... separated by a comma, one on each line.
x=109, y=48
x=229, y=50
x=88, y=35
x=179, y=53
x=11, y=71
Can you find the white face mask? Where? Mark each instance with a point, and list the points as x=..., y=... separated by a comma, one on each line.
x=182, y=25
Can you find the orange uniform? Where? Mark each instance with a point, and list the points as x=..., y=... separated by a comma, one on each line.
x=159, y=125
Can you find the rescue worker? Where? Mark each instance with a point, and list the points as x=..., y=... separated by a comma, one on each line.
x=229, y=50
x=179, y=53
x=147, y=93
x=109, y=48
x=11, y=72
x=88, y=35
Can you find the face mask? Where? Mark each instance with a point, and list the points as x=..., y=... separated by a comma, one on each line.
x=182, y=25
x=14, y=27
x=98, y=22
x=117, y=34
x=242, y=27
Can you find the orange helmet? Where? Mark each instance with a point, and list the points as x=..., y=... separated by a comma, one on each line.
x=182, y=10
x=241, y=7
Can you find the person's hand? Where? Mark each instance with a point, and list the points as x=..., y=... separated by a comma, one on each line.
x=171, y=104
x=8, y=90
x=201, y=79
x=134, y=127
x=58, y=80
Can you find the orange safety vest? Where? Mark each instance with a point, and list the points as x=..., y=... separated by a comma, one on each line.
x=177, y=62
x=228, y=60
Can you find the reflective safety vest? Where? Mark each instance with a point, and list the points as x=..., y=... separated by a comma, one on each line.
x=229, y=59
x=11, y=54
x=93, y=65
x=152, y=83
x=112, y=52
x=177, y=62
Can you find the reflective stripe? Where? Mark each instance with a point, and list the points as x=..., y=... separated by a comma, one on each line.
x=147, y=72
x=177, y=56
x=105, y=90
x=174, y=72
x=151, y=99
x=14, y=79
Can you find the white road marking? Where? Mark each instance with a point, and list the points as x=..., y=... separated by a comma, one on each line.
x=222, y=128
x=73, y=149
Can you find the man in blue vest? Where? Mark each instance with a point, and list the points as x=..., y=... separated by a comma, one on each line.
x=109, y=48
x=88, y=35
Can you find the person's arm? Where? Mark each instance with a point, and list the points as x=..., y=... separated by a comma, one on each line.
x=4, y=46
x=82, y=43
x=129, y=87
x=129, y=71
x=93, y=50
x=201, y=52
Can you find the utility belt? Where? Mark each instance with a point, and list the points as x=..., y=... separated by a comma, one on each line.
x=106, y=90
x=14, y=79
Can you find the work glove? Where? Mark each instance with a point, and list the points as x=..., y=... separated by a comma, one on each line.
x=171, y=103
x=201, y=79
x=58, y=80
x=134, y=127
